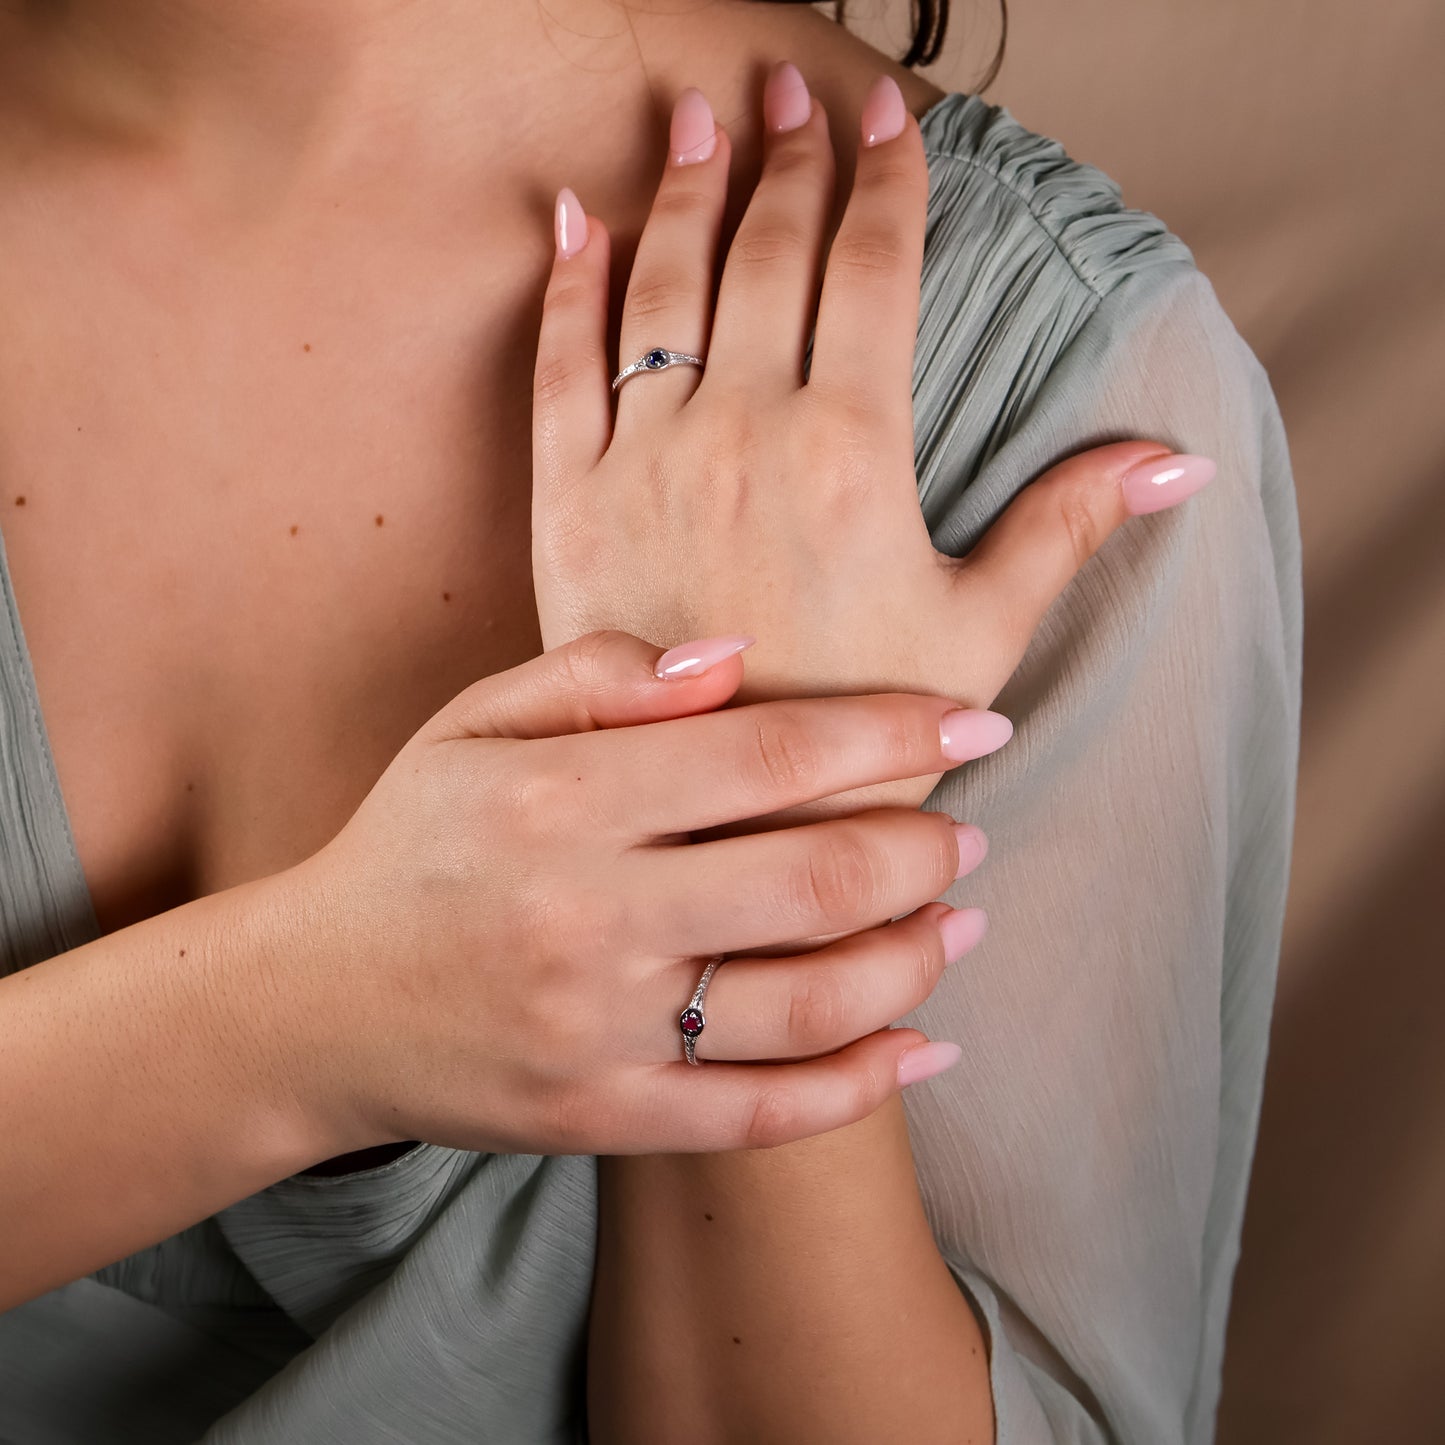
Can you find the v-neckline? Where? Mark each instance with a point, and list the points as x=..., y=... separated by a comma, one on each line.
x=18, y=683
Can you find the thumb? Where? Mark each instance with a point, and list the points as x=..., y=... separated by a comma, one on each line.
x=603, y=679
x=1046, y=534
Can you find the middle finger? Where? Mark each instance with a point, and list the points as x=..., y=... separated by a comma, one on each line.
x=770, y=281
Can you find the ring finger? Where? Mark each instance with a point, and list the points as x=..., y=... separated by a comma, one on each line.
x=778, y=1009
x=669, y=294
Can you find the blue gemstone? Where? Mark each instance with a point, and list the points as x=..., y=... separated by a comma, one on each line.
x=655, y=360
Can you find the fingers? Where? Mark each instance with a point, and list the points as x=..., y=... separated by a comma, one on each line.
x=770, y=281
x=746, y=762
x=601, y=680
x=817, y=879
x=761, y=1106
x=571, y=406
x=800, y=1007
x=1051, y=529
x=868, y=313
x=669, y=294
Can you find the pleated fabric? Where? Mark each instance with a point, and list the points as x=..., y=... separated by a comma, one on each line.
x=1084, y=1168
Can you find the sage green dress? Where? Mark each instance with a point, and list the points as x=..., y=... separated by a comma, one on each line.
x=1084, y=1167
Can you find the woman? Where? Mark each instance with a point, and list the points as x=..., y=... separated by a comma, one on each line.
x=291, y=256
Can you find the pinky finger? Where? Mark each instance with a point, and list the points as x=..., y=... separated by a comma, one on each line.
x=571, y=404
x=762, y=1106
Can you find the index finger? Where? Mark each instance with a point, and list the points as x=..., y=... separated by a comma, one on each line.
x=691, y=773
x=868, y=313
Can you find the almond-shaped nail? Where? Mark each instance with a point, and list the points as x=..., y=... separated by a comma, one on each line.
x=926, y=1060
x=694, y=131
x=786, y=102
x=1162, y=481
x=571, y=223
x=692, y=659
x=972, y=847
x=884, y=113
x=972, y=732
x=961, y=929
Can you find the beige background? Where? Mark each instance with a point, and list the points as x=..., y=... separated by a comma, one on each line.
x=1298, y=146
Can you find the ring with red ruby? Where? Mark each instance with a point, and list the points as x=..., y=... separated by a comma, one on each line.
x=691, y=1020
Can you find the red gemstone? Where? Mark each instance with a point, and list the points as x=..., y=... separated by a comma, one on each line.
x=691, y=1023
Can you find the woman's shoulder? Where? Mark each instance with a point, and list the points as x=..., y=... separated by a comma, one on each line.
x=993, y=180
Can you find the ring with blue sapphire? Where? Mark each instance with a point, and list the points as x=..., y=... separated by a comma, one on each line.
x=691, y=1020
x=658, y=358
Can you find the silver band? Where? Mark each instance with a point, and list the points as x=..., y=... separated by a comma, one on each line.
x=659, y=358
x=691, y=1020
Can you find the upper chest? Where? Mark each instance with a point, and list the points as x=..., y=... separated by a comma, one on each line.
x=275, y=513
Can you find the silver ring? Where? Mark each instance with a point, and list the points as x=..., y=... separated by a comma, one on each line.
x=659, y=358
x=691, y=1020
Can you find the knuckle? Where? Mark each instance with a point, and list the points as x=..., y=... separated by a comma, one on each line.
x=689, y=203
x=664, y=295
x=817, y=1012
x=584, y=660
x=560, y=375
x=867, y=254
x=784, y=757
x=766, y=243
x=837, y=880
x=1080, y=525
x=772, y=1118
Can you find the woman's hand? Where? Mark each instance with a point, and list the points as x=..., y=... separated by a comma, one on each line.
x=493, y=953
x=746, y=496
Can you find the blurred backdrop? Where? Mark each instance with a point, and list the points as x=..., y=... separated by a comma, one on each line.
x=1298, y=147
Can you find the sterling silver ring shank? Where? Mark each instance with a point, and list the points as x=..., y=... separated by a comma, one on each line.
x=691, y=1020
x=658, y=358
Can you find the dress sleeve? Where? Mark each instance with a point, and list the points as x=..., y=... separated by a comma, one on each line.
x=1084, y=1166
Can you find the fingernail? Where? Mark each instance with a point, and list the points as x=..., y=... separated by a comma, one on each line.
x=961, y=929
x=1162, y=481
x=692, y=659
x=694, y=132
x=972, y=732
x=786, y=102
x=883, y=111
x=571, y=223
x=926, y=1060
x=972, y=847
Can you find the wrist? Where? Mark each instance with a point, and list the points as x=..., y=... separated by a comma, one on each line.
x=280, y=972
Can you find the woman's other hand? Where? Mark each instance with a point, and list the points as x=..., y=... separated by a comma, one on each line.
x=494, y=952
x=748, y=495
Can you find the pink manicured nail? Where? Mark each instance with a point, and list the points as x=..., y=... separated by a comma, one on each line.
x=694, y=131
x=971, y=732
x=1162, y=481
x=972, y=847
x=961, y=929
x=927, y=1060
x=571, y=223
x=692, y=659
x=884, y=113
x=786, y=102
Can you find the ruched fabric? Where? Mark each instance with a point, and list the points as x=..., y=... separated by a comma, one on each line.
x=1084, y=1167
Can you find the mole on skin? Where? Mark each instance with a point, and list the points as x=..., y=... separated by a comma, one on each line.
x=19, y=501
x=306, y=346
x=378, y=519
x=446, y=596
x=736, y=1341
x=293, y=531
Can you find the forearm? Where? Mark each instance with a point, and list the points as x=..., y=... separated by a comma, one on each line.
x=146, y=1081
x=771, y=1296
